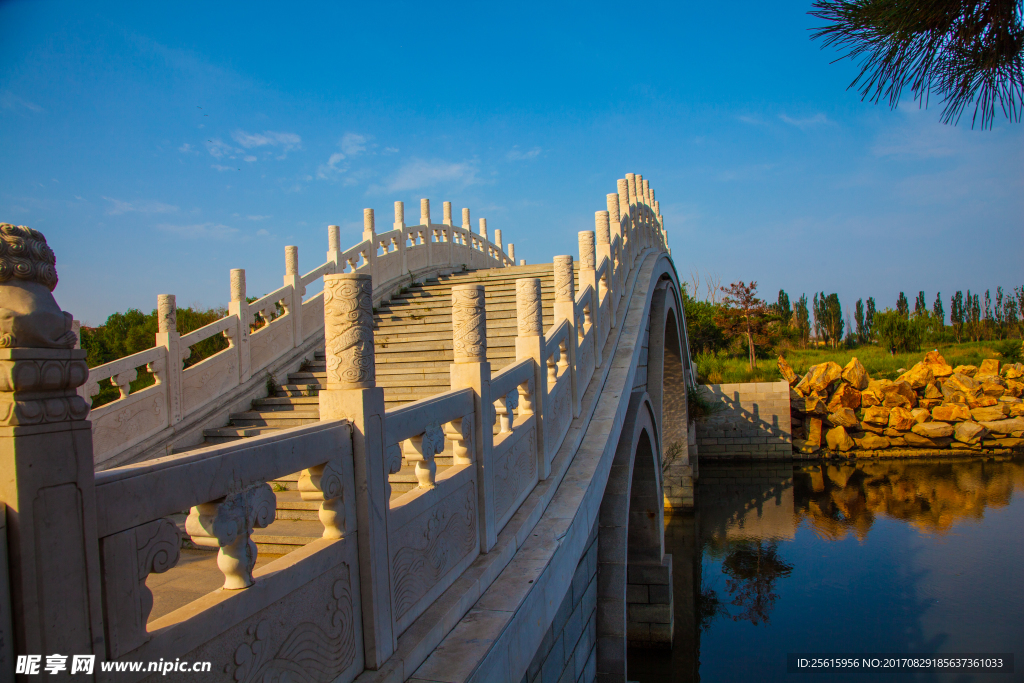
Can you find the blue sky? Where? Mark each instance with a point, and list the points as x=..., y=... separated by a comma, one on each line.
x=159, y=145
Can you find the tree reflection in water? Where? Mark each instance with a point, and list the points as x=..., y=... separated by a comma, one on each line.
x=752, y=569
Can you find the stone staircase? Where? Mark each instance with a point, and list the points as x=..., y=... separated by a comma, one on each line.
x=413, y=352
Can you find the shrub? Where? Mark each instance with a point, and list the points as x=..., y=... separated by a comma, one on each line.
x=699, y=406
x=709, y=367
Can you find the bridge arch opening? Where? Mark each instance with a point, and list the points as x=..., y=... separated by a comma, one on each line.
x=634, y=576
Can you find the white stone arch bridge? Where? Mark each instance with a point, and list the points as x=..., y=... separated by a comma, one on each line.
x=482, y=450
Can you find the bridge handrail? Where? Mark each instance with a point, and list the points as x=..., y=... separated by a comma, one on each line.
x=135, y=428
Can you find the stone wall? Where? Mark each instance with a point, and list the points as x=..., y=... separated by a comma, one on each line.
x=568, y=652
x=754, y=424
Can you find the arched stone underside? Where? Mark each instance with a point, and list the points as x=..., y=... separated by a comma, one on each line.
x=669, y=380
x=634, y=576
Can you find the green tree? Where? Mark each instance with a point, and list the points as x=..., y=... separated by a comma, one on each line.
x=963, y=51
x=704, y=333
x=828, y=318
x=902, y=305
x=937, y=312
x=858, y=316
x=782, y=309
x=869, y=318
x=896, y=333
x=920, y=308
x=957, y=315
x=745, y=314
x=802, y=316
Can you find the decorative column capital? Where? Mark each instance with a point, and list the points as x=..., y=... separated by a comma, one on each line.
x=348, y=328
x=469, y=324
x=565, y=285
x=166, y=313
x=529, y=314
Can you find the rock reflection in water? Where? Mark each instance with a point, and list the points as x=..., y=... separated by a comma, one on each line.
x=738, y=559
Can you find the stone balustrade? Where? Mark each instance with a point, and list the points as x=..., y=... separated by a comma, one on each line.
x=173, y=411
x=353, y=598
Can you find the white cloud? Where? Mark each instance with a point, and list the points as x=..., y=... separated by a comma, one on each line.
x=215, y=231
x=188, y=149
x=250, y=159
x=353, y=144
x=118, y=207
x=9, y=100
x=220, y=167
x=816, y=120
x=417, y=173
x=516, y=154
x=391, y=150
x=331, y=168
x=269, y=138
x=258, y=218
x=262, y=232
x=219, y=149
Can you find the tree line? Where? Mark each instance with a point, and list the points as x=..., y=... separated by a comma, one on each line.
x=737, y=320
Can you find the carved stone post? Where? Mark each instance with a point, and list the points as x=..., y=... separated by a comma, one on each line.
x=471, y=370
x=607, y=285
x=483, y=227
x=447, y=211
x=511, y=252
x=293, y=279
x=46, y=460
x=334, y=241
x=588, y=276
x=167, y=336
x=626, y=221
x=530, y=344
x=497, y=233
x=239, y=308
x=400, y=227
x=565, y=309
x=352, y=393
x=369, y=235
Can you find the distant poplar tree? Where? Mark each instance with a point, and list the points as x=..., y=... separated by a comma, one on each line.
x=803, y=319
x=869, y=318
x=920, y=308
x=937, y=312
x=957, y=315
x=902, y=305
x=858, y=317
x=782, y=308
x=998, y=315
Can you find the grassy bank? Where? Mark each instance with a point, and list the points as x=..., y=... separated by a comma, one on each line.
x=879, y=364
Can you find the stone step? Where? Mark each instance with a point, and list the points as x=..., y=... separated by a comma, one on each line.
x=285, y=404
x=286, y=535
x=505, y=288
x=276, y=418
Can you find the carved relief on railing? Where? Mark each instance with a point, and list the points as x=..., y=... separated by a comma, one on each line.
x=565, y=286
x=469, y=324
x=227, y=524
x=349, y=327
x=128, y=558
x=324, y=483
x=421, y=449
x=529, y=319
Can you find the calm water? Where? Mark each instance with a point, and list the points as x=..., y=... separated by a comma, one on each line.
x=907, y=556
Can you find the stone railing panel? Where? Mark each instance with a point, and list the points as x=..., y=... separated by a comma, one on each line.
x=557, y=404
x=514, y=462
x=206, y=381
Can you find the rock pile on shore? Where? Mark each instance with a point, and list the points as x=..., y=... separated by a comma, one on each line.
x=930, y=406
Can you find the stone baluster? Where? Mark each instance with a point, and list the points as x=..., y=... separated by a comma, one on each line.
x=239, y=308
x=46, y=457
x=483, y=228
x=588, y=278
x=607, y=284
x=511, y=252
x=425, y=212
x=447, y=208
x=636, y=220
x=169, y=372
x=369, y=235
x=227, y=524
x=626, y=221
x=293, y=298
x=530, y=344
x=334, y=241
x=351, y=394
x=399, y=243
x=324, y=483
x=497, y=239
x=565, y=309
x=421, y=450
x=471, y=370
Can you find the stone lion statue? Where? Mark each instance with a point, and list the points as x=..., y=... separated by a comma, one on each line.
x=29, y=316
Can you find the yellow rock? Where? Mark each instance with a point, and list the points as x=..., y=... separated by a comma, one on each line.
x=787, y=372
x=819, y=378
x=918, y=377
x=856, y=375
x=814, y=433
x=1014, y=388
x=989, y=366
x=968, y=370
x=1012, y=371
x=876, y=415
x=899, y=394
x=918, y=441
x=929, y=403
x=1010, y=426
x=933, y=430
x=901, y=419
x=872, y=442
x=993, y=389
x=970, y=433
x=951, y=412
x=838, y=440
x=921, y=415
x=938, y=364
x=870, y=397
x=982, y=401
x=990, y=413
x=845, y=417
x=845, y=396
x=932, y=391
